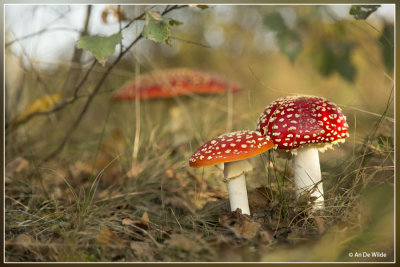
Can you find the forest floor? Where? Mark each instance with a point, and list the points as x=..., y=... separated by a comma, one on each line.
x=98, y=202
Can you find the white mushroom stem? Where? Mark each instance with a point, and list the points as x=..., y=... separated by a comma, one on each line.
x=234, y=173
x=307, y=174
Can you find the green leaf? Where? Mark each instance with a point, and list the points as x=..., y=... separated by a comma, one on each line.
x=275, y=22
x=386, y=40
x=363, y=11
x=329, y=57
x=323, y=59
x=100, y=46
x=345, y=67
x=289, y=43
x=156, y=28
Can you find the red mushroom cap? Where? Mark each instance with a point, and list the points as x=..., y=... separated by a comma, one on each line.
x=174, y=82
x=296, y=121
x=230, y=147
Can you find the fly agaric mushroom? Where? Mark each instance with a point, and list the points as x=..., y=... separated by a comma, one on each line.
x=174, y=82
x=233, y=149
x=304, y=125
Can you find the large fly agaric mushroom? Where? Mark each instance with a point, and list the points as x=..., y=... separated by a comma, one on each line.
x=304, y=125
x=174, y=82
x=233, y=149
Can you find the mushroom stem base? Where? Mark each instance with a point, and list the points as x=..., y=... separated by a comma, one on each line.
x=238, y=193
x=307, y=175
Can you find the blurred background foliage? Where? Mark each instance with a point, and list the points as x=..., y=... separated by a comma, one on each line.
x=339, y=52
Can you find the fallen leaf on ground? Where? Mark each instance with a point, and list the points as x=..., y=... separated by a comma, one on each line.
x=108, y=237
x=145, y=218
x=247, y=229
x=138, y=223
x=127, y=221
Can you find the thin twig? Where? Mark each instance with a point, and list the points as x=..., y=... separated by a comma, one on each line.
x=92, y=95
x=45, y=29
x=13, y=124
x=190, y=42
x=42, y=31
x=121, y=48
x=88, y=102
x=38, y=78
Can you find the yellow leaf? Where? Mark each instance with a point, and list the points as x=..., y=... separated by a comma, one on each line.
x=145, y=218
x=43, y=104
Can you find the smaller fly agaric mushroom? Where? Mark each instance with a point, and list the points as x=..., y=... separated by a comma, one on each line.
x=174, y=82
x=304, y=125
x=233, y=149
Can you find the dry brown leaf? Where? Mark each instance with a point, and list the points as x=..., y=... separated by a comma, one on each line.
x=108, y=237
x=139, y=223
x=127, y=221
x=17, y=165
x=114, y=10
x=170, y=173
x=145, y=218
x=247, y=229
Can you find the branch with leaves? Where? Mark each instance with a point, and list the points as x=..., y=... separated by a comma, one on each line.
x=156, y=28
x=101, y=47
x=158, y=32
